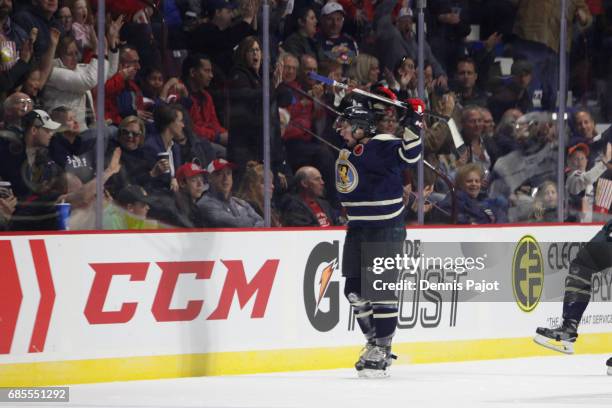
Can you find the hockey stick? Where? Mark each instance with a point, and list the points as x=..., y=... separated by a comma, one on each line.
x=399, y=104
x=313, y=134
x=315, y=100
x=444, y=177
x=451, y=187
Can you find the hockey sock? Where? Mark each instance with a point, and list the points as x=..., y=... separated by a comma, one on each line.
x=385, y=321
x=362, y=308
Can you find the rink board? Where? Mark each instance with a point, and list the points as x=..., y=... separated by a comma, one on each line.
x=92, y=307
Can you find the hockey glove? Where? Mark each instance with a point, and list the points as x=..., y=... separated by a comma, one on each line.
x=412, y=121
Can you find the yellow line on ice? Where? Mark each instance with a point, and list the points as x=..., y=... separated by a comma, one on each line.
x=265, y=361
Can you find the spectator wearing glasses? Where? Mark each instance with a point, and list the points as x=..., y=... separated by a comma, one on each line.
x=123, y=95
x=246, y=125
x=18, y=162
x=134, y=165
x=16, y=106
x=301, y=148
x=37, y=78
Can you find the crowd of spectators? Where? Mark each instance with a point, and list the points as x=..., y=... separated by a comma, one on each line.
x=184, y=121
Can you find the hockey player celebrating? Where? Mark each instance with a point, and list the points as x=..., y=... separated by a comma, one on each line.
x=594, y=257
x=369, y=182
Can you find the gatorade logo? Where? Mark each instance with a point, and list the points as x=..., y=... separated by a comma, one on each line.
x=321, y=291
x=527, y=273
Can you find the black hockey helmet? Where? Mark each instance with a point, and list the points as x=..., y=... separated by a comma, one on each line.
x=359, y=117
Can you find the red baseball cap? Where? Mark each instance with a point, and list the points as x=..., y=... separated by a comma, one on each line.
x=189, y=170
x=219, y=164
x=579, y=146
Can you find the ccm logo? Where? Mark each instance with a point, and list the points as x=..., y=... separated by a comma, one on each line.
x=235, y=284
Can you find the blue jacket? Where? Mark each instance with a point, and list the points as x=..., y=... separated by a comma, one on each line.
x=479, y=210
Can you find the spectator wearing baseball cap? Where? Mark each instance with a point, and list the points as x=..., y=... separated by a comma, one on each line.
x=192, y=186
x=17, y=164
x=395, y=39
x=219, y=208
x=130, y=211
x=219, y=37
x=332, y=43
x=580, y=183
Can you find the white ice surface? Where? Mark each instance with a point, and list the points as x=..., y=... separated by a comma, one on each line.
x=564, y=381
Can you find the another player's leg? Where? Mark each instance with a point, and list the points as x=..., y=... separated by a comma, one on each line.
x=592, y=258
x=609, y=364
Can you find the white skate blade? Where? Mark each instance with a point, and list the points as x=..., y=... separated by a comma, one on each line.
x=371, y=374
x=564, y=347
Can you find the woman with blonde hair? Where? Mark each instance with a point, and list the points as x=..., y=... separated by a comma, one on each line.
x=473, y=205
x=135, y=168
x=251, y=190
x=364, y=70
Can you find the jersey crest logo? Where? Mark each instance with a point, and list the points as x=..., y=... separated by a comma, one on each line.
x=346, y=174
x=358, y=150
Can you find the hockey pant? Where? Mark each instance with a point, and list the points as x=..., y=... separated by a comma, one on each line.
x=375, y=313
x=594, y=257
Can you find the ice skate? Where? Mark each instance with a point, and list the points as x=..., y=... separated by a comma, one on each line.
x=560, y=339
x=360, y=364
x=376, y=362
x=609, y=364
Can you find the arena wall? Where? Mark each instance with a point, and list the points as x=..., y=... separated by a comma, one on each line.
x=96, y=307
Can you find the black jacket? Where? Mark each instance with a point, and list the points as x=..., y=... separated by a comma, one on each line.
x=219, y=45
x=77, y=158
x=246, y=118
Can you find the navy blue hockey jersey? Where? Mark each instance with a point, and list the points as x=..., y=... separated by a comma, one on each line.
x=369, y=179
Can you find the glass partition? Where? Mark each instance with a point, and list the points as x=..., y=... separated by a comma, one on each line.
x=183, y=132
